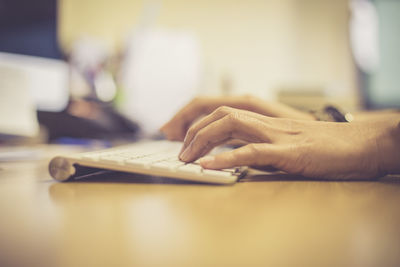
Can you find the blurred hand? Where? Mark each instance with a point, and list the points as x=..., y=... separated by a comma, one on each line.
x=309, y=148
x=177, y=127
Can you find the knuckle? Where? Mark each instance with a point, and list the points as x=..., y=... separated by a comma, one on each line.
x=233, y=116
x=222, y=110
x=201, y=141
x=234, y=119
x=201, y=135
x=190, y=132
x=254, y=149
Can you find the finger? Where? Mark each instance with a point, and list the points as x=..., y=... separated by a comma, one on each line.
x=232, y=126
x=216, y=115
x=197, y=126
x=249, y=155
x=176, y=128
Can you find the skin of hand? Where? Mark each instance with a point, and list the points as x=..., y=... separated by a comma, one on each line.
x=308, y=148
x=177, y=127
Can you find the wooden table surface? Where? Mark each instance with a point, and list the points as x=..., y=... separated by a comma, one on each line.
x=126, y=220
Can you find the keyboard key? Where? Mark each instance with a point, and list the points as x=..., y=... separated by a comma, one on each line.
x=113, y=159
x=217, y=173
x=191, y=168
x=137, y=163
x=91, y=157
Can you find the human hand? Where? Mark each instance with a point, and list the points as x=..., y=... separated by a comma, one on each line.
x=308, y=148
x=176, y=128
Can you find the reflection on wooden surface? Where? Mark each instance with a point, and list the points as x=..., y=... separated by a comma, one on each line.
x=117, y=219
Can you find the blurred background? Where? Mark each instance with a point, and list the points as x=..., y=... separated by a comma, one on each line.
x=120, y=69
x=259, y=46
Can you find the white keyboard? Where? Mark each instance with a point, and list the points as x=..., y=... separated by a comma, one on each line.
x=157, y=158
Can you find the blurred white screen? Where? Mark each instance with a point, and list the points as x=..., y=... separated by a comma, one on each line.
x=161, y=72
x=46, y=80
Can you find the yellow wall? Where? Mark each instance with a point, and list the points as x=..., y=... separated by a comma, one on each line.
x=261, y=45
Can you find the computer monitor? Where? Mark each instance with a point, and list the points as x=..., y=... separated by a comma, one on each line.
x=29, y=27
x=28, y=44
x=33, y=77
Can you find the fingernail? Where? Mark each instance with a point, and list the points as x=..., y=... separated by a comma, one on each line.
x=183, y=147
x=182, y=150
x=184, y=155
x=207, y=160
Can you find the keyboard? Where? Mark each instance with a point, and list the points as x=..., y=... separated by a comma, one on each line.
x=155, y=158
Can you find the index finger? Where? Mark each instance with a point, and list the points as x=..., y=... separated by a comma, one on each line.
x=238, y=125
x=176, y=128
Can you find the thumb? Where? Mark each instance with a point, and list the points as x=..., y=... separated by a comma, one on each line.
x=249, y=155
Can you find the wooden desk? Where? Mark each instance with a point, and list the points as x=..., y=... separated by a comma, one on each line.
x=117, y=221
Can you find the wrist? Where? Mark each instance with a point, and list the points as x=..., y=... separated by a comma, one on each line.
x=388, y=144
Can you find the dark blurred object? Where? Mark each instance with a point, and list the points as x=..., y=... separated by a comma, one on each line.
x=91, y=120
x=29, y=27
